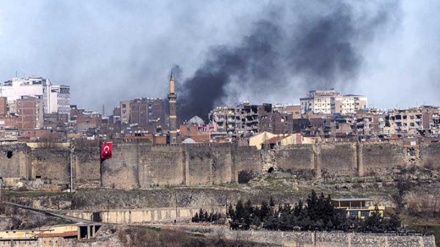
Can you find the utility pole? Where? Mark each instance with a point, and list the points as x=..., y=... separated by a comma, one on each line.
x=72, y=148
x=175, y=196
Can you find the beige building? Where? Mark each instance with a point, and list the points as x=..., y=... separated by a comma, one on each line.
x=267, y=139
x=422, y=120
x=261, y=138
x=331, y=101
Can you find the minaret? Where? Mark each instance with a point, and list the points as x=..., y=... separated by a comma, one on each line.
x=172, y=97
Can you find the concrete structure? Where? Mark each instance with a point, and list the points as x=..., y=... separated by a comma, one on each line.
x=3, y=106
x=48, y=236
x=172, y=99
x=259, y=139
x=424, y=121
x=144, y=215
x=269, y=140
x=125, y=111
x=357, y=207
x=240, y=120
x=60, y=99
x=84, y=120
x=331, y=101
x=55, y=97
x=146, y=111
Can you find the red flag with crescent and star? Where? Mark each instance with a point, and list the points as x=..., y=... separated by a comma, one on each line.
x=106, y=150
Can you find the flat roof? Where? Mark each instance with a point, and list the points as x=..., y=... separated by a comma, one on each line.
x=351, y=199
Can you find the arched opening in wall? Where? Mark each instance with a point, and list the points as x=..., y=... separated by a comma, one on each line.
x=38, y=177
x=9, y=154
x=270, y=170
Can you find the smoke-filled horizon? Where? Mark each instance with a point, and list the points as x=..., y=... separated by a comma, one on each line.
x=225, y=52
x=317, y=49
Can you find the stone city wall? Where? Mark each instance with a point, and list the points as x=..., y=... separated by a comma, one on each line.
x=15, y=161
x=142, y=165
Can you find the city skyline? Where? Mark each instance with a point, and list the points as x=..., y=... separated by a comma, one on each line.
x=108, y=52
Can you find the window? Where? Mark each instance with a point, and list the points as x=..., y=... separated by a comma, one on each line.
x=354, y=214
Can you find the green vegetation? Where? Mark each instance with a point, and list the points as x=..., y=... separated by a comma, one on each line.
x=204, y=216
x=316, y=214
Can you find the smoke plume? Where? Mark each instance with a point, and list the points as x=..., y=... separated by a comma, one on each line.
x=319, y=49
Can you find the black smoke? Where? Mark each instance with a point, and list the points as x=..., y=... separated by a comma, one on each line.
x=325, y=50
x=317, y=51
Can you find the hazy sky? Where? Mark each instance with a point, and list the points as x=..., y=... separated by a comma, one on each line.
x=109, y=51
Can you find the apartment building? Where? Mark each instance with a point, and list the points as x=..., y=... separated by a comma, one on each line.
x=29, y=112
x=3, y=106
x=60, y=99
x=331, y=102
x=422, y=120
x=241, y=120
x=55, y=98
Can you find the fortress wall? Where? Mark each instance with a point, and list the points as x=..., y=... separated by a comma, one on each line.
x=142, y=165
x=161, y=165
x=338, y=159
x=221, y=166
x=14, y=161
x=122, y=170
x=378, y=157
x=207, y=164
x=52, y=164
x=86, y=166
x=246, y=158
x=295, y=157
x=198, y=166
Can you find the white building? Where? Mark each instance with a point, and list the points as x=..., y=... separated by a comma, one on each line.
x=56, y=98
x=331, y=101
x=62, y=95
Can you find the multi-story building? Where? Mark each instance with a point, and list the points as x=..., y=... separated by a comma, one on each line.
x=331, y=102
x=29, y=112
x=294, y=110
x=241, y=120
x=55, y=98
x=276, y=122
x=62, y=95
x=422, y=120
x=147, y=115
x=124, y=106
x=3, y=106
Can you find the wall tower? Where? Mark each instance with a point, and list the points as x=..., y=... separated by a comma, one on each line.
x=172, y=97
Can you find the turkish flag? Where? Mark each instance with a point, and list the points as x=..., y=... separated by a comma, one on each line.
x=106, y=150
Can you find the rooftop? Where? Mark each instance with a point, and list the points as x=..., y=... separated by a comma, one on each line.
x=351, y=199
